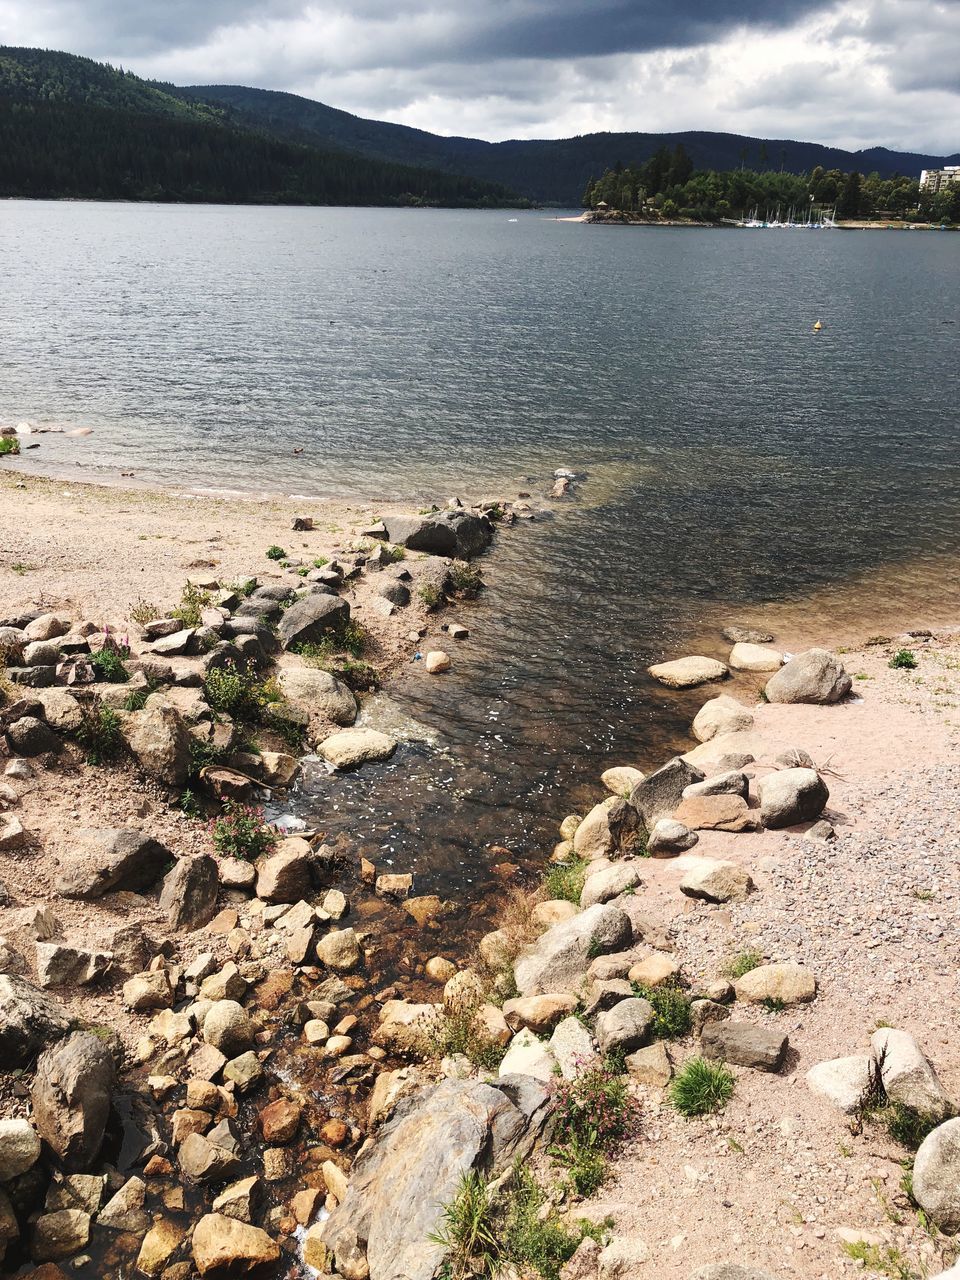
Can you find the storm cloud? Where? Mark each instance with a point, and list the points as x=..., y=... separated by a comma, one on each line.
x=846, y=72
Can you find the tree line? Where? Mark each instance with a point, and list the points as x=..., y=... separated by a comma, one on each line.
x=668, y=186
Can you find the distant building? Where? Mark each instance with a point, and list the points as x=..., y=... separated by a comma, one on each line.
x=934, y=180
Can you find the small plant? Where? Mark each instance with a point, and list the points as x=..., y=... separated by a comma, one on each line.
x=457, y=1032
x=469, y=1232
x=875, y=640
x=193, y=600
x=907, y=1125
x=361, y=677
x=99, y=734
x=240, y=832
x=700, y=1087
x=189, y=804
x=773, y=1004
x=236, y=691
x=862, y=675
x=565, y=880
x=275, y=553
x=108, y=662
x=738, y=965
x=9, y=446
x=320, y=561
x=136, y=700
x=430, y=596
x=347, y=637
x=243, y=587
x=903, y=660
x=142, y=611
x=532, y=1235
x=465, y=579
x=671, y=1009
x=595, y=1108
x=884, y=1259
x=586, y=1166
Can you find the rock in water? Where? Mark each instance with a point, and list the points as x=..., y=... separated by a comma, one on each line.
x=400, y=1184
x=685, y=673
x=319, y=694
x=224, y=1242
x=754, y=657
x=71, y=1098
x=454, y=533
x=814, y=676
x=353, y=747
x=721, y=714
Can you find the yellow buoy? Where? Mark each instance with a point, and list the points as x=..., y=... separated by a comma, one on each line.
x=817, y=327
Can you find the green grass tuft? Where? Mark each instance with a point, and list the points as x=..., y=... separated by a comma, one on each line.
x=565, y=880
x=738, y=965
x=903, y=660
x=700, y=1087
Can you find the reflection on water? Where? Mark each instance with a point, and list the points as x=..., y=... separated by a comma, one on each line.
x=734, y=463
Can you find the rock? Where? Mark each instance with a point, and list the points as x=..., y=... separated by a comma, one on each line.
x=669, y=838
x=787, y=983
x=584, y=1263
x=400, y=1183
x=746, y=635
x=32, y=737
x=626, y=1026
x=814, y=676
x=190, y=890
x=685, y=673
x=339, y=950
x=227, y=1026
x=12, y=834
x=744, y=1045
x=609, y=828
x=278, y=768
x=59, y=966
x=704, y=1011
x=224, y=1242
x=654, y=970
x=124, y=1210
x=159, y=1245
x=76, y=1191
x=621, y=1258
x=822, y=831
x=528, y=1056
x=538, y=1013
x=335, y=904
x=439, y=969
x=47, y=626
x=287, y=875
x=754, y=657
x=571, y=1046
x=279, y=1121
x=319, y=693
x=715, y=880
x=559, y=959
x=243, y=1071
x=239, y=1199
x=202, y=1160
x=100, y=861
x=497, y=949
x=720, y=715
x=790, y=796
x=436, y=661
x=19, y=1148
x=650, y=1065
x=311, y=618
x=621, y=779
x=609, y=883
x=454, y=533
x=716, y=813
x=660, y=794
x=907, y=1076
x=71, y=1098
x=353, y=747
x=394, y=886
x=160, y=740
x=846, y=1082
x=936, y=1176
x=730, y=1271
x=29, y=1021
x=729, y=783
x=553, y=911
x=61, y=710
x=490, y=1026
x=60, y=1234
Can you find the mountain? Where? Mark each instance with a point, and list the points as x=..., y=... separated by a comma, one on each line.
x=552, y=171
x=71, y=127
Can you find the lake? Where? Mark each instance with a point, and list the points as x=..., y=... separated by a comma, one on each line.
x=735, y=465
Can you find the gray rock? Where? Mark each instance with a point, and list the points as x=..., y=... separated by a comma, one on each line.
x=609, y=883
x=936, y=1176
x=744, y=1045
x=730, y=1271
x=572, y=1047
x=716, y=880
x=604, y=995
x=19, y=1149
x=846, y=1082
x=823, y=831
x=59, y=965
x=203, y=1161
x=704, y=1011
x=101, y=861
x=660, y=793
x=400, y=1184
x=814, y=676
x=33, y=677
x=159, y=739
x=190, y=891
x=791, y=796
x=626, y=1026
x=907, y=1076
x=722, y=714
x=559, y=959
x=746, y=635
x=611, y=827
x=60, y=1234
x=442, y=533
x=794, y=758
x=227, y=1026
x=29, y=736
x=395, y=592
x=311, y=618
x=71, y=1098
x=668, y=838
x=729, y=783
x=319, y=693
x=29, y=1021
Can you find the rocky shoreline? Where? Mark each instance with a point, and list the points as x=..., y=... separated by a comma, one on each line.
x=221, y=1056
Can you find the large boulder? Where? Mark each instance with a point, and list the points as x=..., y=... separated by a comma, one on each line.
x=228, y=1027
x=100, y=861
x=29, y=1021
x=442, y=533
x=400, y=1185
x=190, y=891
x=721, y=714
x=159, y=739
x=528, y=1056
x=71, y=1098
x=907, y=1076
x=59, y=965
x=559, y=959
x=352, y=747
x=311, y=618
x=814, y=676
x=846, y=1082
x=686, y=673
x=61, y=710
x=936, y=1177
x=611, y=827
x=287, y=874
x=319, y=694
x=660, y=793
x=790, y=796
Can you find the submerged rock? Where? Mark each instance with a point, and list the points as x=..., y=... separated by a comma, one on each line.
x=686, y=673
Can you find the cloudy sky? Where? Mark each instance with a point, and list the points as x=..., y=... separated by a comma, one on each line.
x=848, y=72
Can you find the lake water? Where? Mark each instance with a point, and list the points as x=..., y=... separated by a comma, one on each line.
x=733, y=461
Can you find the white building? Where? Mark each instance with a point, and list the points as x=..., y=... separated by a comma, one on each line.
x=934, y=180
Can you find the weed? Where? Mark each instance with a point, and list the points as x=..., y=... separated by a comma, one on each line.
x=907, y=1125
x=565, y=880
x=9, y=446
x=862, y=675
x=468, y=1234
x=671, y=1008
x=875, y=640
x=142, y=611
x=903, y=660
x=594, y=1109
x=430, y=596
x=189, y=804
x=773, y=1004
x=193, y=601
x=361, y=677
x=320, y=561
x=303, y=571
x=136, y=700
x=347, y=637
x=99, y=733
x=108, y=662
x=700, y=1087
x=923, y=895
x=884, y=1259
x=586, y=1166
x=458, y=1033
x=275, y=553
x=532, y=1235
x=243, y=587
x=740, y=964
x=240, y=832
x=204, y=755
x=236, y=691
x=734, y=1145
x=394, y=554
x=465, y=580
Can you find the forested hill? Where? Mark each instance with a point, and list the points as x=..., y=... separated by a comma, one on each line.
x=71, y=127
x=554, y=171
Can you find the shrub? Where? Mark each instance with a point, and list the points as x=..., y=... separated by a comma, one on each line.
x=594, y=1109
x=903, y=660
x=99, y=734
x=456, y=1033
x=465, y=579
x=142, y=611
x=275, y=553
x=192, y=601
x=136, y=700
x=9, y=446
x=236, y=691
x=347, y=637
x=240, y=832
x=700, y=1087
x=742, y=963
x=671, y=1008
x=586, y=1166
x=566, y=880
x=320, y=561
